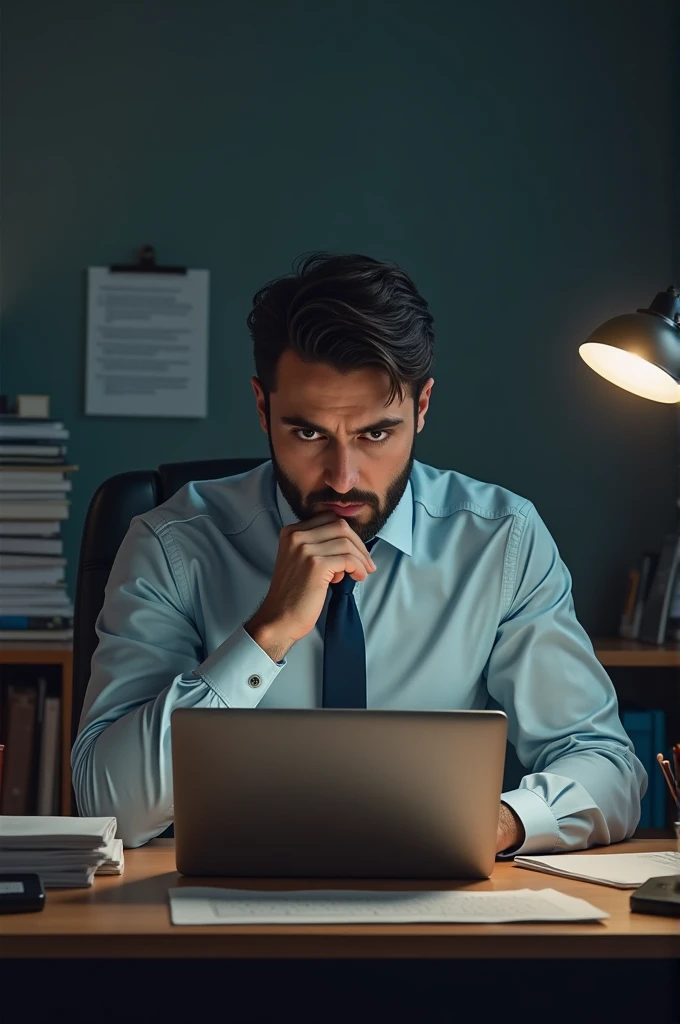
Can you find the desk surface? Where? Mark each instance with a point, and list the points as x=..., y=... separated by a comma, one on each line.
x=128, y=916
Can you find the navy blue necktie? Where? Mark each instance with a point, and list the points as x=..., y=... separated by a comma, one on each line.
x=344, y=652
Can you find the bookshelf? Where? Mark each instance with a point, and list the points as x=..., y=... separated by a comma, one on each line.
x=615, y=652
x=18, y=652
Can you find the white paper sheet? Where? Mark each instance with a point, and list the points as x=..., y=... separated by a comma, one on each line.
x=622, y=870
x=198, y=905
x=147, y=343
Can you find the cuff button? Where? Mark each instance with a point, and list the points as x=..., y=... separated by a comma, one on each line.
x=254, y=681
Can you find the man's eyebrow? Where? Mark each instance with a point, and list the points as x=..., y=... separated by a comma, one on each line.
x=301, y=421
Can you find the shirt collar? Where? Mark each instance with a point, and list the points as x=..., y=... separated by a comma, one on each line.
x=397, y=531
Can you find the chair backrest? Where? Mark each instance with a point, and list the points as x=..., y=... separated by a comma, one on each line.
x=115, y=503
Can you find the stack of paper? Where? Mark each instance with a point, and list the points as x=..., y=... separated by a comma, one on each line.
x=65, y=852
x=199, y=906
x=622, y=870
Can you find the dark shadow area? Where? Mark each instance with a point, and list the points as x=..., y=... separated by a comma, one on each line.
x=351, y=991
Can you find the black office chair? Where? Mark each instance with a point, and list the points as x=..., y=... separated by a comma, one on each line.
x=114, y=505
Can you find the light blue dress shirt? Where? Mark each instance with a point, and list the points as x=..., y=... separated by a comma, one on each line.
x=470, y=601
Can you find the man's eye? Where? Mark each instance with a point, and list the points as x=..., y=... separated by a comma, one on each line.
x=307, y=430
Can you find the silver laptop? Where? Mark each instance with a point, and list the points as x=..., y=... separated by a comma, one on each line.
x=331, y=793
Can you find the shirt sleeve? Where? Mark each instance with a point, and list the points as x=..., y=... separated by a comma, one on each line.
x=585, y=783
x=149, y=661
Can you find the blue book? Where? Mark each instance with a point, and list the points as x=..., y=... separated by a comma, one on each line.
x=35, y=621
x=658, y=786
x=639, y=726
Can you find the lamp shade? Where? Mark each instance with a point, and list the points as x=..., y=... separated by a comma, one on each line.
x=640, y=351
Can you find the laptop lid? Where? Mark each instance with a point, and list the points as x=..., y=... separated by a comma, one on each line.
x=336, y=793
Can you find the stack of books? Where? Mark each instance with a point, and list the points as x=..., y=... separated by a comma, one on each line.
x=34, y=501
x=65, y=852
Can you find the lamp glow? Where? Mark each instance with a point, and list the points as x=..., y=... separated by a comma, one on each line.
x=631, y=372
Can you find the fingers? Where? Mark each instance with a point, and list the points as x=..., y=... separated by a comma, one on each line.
x=340, y=546
x=347, y=565
x=327, y=527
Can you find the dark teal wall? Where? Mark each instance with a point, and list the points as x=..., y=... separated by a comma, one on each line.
x=514, y=158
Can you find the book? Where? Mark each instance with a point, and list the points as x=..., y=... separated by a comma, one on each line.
x=14, y=510
x=48, y=769
x=51, y=494
x=46, y=449
x=646, y=730
x=22, y=428
x=47, y=473
x=648, y=564
x=33, y=621
x=36, y=634
x=26, y=483
x=23, y=528
x=30, y=561
x=20, y=739
x=655, y=614
x=626, y=619
x=55, y=593
x=41, y=693
x=25, y=461
x=11, y=610
x=31, y=545
x=657, y=798
x=673, y=629
x=13, y=417
x=31, y=577
x=639, y=729
x=31, y=431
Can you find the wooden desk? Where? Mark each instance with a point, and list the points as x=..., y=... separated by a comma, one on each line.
x=128, y=916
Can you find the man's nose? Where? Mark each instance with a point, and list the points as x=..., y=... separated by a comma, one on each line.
x=340, y=474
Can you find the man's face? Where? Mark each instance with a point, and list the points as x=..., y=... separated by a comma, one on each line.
x=319, y=457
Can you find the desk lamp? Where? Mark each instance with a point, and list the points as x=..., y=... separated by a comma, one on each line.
x=640, y=352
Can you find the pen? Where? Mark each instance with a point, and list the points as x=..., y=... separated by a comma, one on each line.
x=665, y=767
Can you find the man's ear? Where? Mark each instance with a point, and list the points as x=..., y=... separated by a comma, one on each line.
x=261, y=402
x=423, y=403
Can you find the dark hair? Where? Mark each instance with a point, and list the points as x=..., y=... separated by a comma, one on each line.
x=349, y=311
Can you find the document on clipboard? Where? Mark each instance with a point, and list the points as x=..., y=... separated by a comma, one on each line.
x=147, y=340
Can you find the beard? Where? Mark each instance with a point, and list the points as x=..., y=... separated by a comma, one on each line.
x=303, y=507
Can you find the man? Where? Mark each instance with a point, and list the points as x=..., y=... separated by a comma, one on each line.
x=261, y=591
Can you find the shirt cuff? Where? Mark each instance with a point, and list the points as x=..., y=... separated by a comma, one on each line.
x=239, y=671
x=541, y=830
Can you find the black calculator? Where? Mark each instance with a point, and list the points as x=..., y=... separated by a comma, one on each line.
x=21, y=891
x=658, y=896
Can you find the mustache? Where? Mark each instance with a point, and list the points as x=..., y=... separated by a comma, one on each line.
x=342, y=499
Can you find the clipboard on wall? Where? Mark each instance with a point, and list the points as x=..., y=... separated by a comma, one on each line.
x=146, y=264
x=147, y=339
